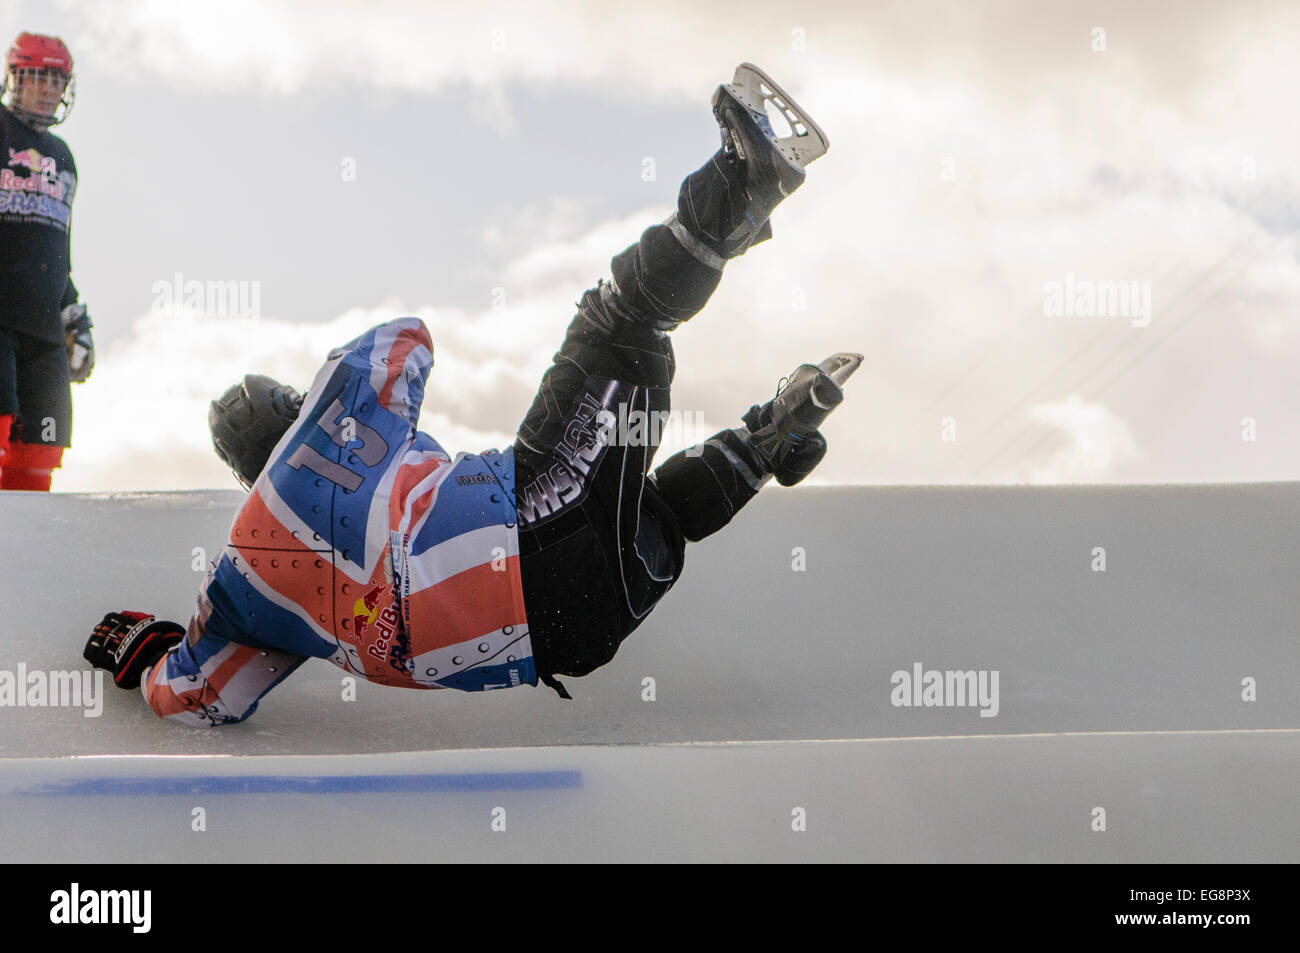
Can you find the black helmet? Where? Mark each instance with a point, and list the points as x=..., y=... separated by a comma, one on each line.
x=248, y=421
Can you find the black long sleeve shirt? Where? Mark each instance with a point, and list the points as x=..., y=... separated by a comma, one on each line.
x=38, y=180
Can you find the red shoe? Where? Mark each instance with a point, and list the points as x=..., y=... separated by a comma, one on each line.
x=30, y=466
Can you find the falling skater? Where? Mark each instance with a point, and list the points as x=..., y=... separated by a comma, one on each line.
x=363, y=542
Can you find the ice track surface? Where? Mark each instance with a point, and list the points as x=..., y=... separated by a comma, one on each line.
x=1119, y=690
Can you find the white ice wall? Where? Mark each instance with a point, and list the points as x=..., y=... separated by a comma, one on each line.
x=1101, y=677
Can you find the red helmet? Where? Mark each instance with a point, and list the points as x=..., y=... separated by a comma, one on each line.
x=33, y=51
x=41, y=55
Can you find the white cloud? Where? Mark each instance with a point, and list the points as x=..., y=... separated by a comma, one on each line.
x=1124, y=165
x=141, y=420
x=285, y=46
x=1094, y=441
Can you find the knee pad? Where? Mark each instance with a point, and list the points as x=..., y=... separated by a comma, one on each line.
x=30, y=466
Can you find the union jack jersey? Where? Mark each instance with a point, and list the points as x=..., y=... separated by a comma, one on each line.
x=361, y=542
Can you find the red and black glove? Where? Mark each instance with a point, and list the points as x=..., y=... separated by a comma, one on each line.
x=127, y=643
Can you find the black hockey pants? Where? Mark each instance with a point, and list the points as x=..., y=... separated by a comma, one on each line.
x=602, y=538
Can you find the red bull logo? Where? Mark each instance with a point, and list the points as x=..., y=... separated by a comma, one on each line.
x=365, y=609
x=41, y=175
x=375, y=627
x=36, y=163
x=385, y=629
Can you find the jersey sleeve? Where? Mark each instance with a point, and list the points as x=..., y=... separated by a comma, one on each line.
x=395, y=358
x=213, y=681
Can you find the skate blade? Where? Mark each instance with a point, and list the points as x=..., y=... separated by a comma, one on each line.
x=756, y=89
x=840, y=367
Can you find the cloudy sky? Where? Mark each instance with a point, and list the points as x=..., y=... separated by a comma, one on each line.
x=992, y=165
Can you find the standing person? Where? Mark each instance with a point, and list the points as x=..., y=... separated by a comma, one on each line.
x=45, y=340
x=363, y=542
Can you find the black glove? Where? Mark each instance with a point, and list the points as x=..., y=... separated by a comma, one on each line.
x=127, y=643
x=81, y=347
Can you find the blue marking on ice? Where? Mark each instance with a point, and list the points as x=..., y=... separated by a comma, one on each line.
x=328, y=784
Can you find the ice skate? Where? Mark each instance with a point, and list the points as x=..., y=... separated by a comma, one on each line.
x=783, y=432
x=774, y=164
x=723, y=208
